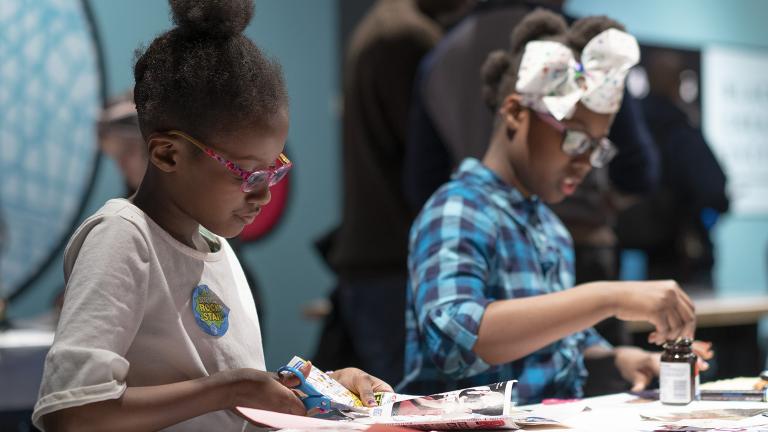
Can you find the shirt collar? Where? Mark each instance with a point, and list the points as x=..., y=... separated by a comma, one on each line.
x=473, y=171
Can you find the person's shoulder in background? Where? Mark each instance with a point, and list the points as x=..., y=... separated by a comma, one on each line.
x=393, y=22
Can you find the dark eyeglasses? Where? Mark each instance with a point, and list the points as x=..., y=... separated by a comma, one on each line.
x=576, y=143
x=251, y=179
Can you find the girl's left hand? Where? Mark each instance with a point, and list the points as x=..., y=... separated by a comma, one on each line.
x=361, y=384
x=637, y=366
x=704, y=351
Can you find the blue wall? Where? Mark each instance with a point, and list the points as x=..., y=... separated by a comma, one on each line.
x=685, y=23
x=302, y=35
x=741, y=241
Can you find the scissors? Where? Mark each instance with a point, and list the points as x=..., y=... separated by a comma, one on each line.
x=315, y=401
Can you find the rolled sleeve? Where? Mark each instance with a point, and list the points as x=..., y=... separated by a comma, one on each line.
x=449, y=269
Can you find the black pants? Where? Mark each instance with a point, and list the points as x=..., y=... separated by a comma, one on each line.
x=599, y=264
x=372, y=311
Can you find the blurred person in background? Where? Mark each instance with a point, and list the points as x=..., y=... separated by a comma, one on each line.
x=672, y=226
x=369, y=249
x=120, y=139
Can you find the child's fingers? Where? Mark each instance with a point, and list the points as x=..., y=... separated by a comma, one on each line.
x=373, y=384
x=381, y=386
x=640, y=382
x=703, y=349
x=364, y=384
x=266, y=391
x=288, y=379
x=289, y=403
x=291, y=380
x=306, y=369
x=703, y=365
x=658, y=336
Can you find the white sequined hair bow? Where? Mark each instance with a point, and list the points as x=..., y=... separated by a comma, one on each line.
x=551, y=80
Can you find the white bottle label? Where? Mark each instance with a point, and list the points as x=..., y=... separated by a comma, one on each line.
x=675, y=383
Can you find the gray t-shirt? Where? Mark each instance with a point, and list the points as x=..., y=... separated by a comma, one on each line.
x=143, y=309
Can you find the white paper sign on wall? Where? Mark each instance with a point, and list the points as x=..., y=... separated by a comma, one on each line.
x=735, y=105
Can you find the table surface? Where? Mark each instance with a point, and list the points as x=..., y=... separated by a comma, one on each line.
x=25, y=338
x=624, y=412
x=22, y=355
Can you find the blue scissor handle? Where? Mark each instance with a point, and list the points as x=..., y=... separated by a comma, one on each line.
x=314, y=399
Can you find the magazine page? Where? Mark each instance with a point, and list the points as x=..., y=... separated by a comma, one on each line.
x=481, y=407
x=476, y=422
x=491, y=400
x=387, y=398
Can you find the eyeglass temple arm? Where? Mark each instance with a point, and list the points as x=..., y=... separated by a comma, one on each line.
x=283, y=158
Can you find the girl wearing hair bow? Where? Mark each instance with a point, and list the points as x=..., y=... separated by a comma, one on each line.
x=491, y=295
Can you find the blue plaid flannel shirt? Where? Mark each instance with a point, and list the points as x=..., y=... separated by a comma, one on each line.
x=478, y=240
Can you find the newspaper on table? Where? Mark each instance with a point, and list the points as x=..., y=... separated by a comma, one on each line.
x=482, y=407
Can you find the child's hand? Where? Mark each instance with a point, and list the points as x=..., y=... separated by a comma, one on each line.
x=637, y=366
x=662, y=303
x=262, y=390
x=704, y=352
x=361, y=384
x=290, y=380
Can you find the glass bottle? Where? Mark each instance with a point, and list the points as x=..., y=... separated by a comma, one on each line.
x=679, y=374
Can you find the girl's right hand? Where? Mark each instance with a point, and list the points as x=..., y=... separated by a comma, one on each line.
x=253, y=388
x=662, y=303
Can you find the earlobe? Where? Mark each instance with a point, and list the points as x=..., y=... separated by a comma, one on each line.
x=162, y=152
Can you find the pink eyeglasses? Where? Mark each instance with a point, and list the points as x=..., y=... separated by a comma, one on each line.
x=251, y=179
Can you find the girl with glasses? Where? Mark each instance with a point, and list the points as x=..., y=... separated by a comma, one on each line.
x=491, y=295
x=158, y=328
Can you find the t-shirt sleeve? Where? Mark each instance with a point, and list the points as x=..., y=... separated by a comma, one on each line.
x=107, y=269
